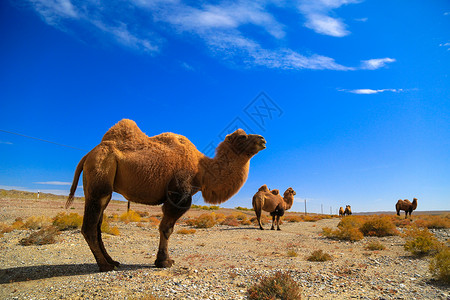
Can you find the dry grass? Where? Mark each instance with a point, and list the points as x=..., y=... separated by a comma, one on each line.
x=375, y=245
x=378, y=226
x=291, y=253
x=440, y=265
x=130, y=216
x=203, y=221
x=186, y=231
x=64, y=221
x=38, y=222
x=106, y=228
x=278, y=286
x=44, y=236
x=319, y=255
x=293, y=219
x=421, y=242
x=348, y=229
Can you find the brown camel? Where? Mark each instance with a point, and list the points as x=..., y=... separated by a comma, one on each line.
x=164, y=169
x=341, y=211
x=407, y=206
x=348, y=210
x=272, y=202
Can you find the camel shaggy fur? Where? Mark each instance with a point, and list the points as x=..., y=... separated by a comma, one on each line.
x=272, y=202
x=341, y=211
x=348, y=210
x=407, y=206
x=164, y=169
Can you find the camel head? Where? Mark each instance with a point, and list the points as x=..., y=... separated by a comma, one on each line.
x=243, y=143
x=289, y=192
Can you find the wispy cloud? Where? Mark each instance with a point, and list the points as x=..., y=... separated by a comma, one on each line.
x=317, y=14
x=376, y=63
x=446, y=45
x=370, y=91
x=226, y=28
x=6, y=143
x=54, y=183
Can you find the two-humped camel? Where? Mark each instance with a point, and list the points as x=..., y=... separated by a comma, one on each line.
x=407, y=206
x=348, y=210
x=164, y=169
x=272, y=202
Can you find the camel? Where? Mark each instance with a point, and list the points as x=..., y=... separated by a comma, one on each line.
x=272, y=202
x=348, y=210
x=341, y=212
x=407, y=206
x=164, y=169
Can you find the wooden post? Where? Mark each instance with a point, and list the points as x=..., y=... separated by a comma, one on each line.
x=305, y=206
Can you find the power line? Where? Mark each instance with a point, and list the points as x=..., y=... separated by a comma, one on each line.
x=42, y=140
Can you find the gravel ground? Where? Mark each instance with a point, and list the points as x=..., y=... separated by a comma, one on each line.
x=216, y=263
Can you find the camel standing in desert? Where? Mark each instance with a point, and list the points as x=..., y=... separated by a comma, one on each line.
x=407, y=206
x=341, y=212
x=272, y=202
x=348, y=210
x=164, y=169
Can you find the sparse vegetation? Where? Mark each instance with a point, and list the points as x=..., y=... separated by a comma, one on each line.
x=378, y=226
x=440, y=265
x=205, y=207
x=243, y=208
x=421, y=242
x=38, y=222
x=319, y=255
x=106, y=228
x=348, y=229
x=186, y=231
x=293, y=218
x=130, y=216
x=278, y=286
x=292, y=253
x=64, y=221
x=203, y=221
x=375, y=245
x=44, y=236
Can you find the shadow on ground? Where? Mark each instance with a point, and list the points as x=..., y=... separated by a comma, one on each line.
x=19, y=274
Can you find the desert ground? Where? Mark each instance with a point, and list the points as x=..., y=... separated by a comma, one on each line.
x=214, y=263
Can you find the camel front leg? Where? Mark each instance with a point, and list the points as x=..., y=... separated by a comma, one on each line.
x=172, y=211
x=273, y=214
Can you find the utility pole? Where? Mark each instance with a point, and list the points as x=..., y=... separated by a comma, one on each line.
x=305, y=206
x=331, y=210
x=321, y=209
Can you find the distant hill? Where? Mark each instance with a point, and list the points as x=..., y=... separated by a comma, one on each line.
x=15, y=194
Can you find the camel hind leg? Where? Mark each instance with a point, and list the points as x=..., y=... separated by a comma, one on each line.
x=257, y=207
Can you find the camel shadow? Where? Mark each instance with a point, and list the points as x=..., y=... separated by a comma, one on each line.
x=19, y=274
x=238, y=228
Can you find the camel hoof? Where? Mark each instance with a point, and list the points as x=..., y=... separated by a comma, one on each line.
x=261, y=228
x=115, y=263
x=278, y=229
x=107, y=268
x=164, y=263
x=272, y=228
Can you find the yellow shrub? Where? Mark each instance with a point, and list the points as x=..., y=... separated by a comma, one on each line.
x=186, y=231
x=38, y=222
x=440, y=265
x=375, y=245
x=293, y=219
x=64, y=221
x=203, y=221
x=378, y=226
x=130, y=216
x=108, y=229
x=319, y=255
x=421, y=242
x=4, y=228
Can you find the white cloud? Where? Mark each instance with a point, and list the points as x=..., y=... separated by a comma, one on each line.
x=54, y=183
x=6, y=143
x=376, y=63
x=446, y=45
x=230, y=29
x=317, y=14
x=362, y=19
x=371, y=91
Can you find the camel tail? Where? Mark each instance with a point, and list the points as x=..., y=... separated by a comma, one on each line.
x=76, y=177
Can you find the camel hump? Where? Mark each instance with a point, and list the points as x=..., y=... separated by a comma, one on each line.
x=125, y=131
x=275, y=192
x=263, y=188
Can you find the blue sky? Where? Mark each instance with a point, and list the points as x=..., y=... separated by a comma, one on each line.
x=353, y=97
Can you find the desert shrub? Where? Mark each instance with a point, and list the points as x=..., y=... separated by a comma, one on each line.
x=421, y=242
x=205, y=207
x=230, y=221
x=243, y=208
x=42, y=237
x=278, y=286
x=63, y=221
x=440, y=265
x=186, y=231
x=154, y=222
x=292, y=253
x=18, y=223
x=378, y=226
x=203, y=221
x=401, y=222
x=142, y=214
x=106, y=228
x=4, y=228
x=319, y=255
x=433, y=222
x=375, y=245
x=38, y=222
x=130, y=216
x=293, y=219
x=264, y=220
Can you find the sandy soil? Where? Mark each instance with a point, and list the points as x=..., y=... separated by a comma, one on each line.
x=216, y=263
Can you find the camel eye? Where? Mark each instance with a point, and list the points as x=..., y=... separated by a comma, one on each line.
x=242, y=137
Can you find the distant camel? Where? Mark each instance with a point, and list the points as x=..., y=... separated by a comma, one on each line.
x=348, y=210
x=272, y=202
x=341, y=211
x=164, y=169
x=407, y=206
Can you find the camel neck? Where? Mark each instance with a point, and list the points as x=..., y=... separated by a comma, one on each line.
x=222, y=177
x=289, y=201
